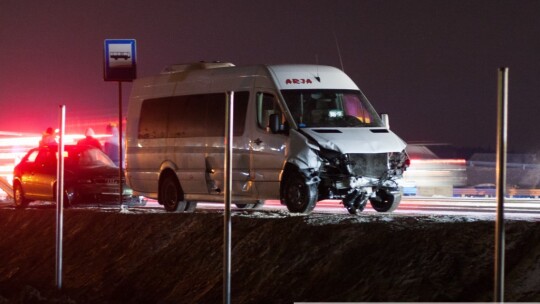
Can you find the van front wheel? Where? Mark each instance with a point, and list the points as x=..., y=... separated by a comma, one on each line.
x=385, y=201
x=298, y=195
x=169, y=195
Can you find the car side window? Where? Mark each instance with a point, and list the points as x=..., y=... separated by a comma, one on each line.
x=41, y=157
x=46, y=158
x=32, y=156
x=266, y=106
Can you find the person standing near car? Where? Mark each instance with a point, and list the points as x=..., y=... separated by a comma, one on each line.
x=110, y=147
x=48, y=138
x=89, y=140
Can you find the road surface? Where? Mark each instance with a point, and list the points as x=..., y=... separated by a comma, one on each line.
x=514, y=208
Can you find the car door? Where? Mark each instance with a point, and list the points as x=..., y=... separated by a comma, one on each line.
x=241, y=184
x=26, y=172
x=44, y=175
x=268, y=150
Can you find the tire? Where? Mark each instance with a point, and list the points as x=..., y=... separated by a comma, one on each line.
x=68, y=200
x=255, y=205
x=18, y=197
x=190, y=207
x=385, y=201
x=170, y=194
x=298, y=196
x=69, y=197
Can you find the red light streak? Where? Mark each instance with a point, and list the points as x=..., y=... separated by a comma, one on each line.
x=19, y=145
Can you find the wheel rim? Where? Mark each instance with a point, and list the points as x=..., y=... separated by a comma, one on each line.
x=17, y=196
x=385, y=201
x=299, y=196
x=170, y=195
x=295, y=194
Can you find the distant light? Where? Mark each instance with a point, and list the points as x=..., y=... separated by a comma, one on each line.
x=438, y=161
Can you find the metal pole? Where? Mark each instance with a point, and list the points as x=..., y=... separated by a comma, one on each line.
x=120, y=162
x=229, y=118
x=502, y=121
x=60, y=198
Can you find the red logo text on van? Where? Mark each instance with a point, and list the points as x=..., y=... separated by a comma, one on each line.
x=298, y=81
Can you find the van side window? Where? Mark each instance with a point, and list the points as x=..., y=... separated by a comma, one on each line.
x=216, y=104
x=266, y=106
x=201, y=115
x=153, y=121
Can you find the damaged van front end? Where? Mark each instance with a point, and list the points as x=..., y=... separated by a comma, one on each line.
x=339, y=147
x=355, y=174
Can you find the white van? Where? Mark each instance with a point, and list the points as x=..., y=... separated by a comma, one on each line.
x=302, y=133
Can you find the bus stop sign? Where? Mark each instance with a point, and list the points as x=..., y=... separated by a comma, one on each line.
x=120, y=62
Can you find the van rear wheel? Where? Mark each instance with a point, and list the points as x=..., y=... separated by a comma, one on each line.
x=170, y=196
x=298, y=195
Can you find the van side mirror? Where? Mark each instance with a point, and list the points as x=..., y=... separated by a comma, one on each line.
x=385, y=120
x=274, y=123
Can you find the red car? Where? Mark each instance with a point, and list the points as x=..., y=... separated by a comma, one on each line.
x=89, y=177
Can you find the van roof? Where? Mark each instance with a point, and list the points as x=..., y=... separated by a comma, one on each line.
x=202, y=65
x=286, y=76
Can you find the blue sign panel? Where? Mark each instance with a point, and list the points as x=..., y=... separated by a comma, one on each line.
x=120, y=60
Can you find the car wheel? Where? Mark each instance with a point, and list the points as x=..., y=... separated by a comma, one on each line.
x=68, y=200
x=69, y=197
x=385, y=201
x=255, y=205
x=298, y=195
x=170, y=195
x=18, y=196
x=191, y=206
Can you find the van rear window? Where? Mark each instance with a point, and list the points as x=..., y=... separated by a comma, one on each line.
x=201, y=115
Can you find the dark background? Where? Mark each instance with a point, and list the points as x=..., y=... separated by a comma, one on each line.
x=432, y=65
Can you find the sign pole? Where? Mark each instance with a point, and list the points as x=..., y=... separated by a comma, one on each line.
x=502, y=122
x=60, y=198
x=229, y=117
x=120, y=162
x=120, y=64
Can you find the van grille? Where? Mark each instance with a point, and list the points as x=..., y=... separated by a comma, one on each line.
x=369, y=165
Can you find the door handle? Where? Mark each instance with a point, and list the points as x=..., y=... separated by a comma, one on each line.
x=258, y=141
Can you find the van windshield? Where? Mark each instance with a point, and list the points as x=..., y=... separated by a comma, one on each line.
x=330, y=108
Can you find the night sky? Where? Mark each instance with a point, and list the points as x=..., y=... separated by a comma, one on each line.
x=431, y=65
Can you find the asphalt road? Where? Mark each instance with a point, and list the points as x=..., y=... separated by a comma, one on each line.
x=514, y=208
